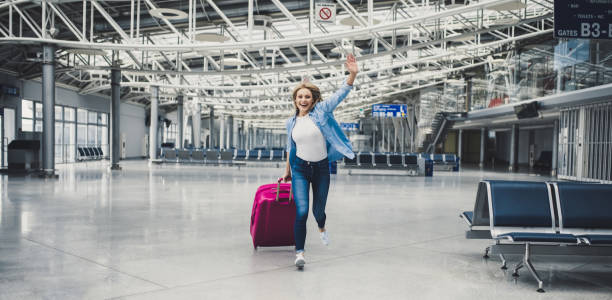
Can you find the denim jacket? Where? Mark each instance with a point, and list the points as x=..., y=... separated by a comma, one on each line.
x=338, y=145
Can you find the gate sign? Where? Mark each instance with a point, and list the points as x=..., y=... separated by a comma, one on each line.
x=350, y=126
x=583, y=19
x=389, y=110
x=325, y=12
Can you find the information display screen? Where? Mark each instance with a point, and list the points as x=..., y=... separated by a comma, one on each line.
x=389, y=110
x=583, y=19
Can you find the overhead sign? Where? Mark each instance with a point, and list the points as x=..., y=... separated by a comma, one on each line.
x=389, y=110
x=325, y=12
x=350, y=126
x=583, y=19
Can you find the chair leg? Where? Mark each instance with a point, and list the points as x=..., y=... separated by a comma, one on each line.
x=519, y=265
x=532, y=270
x=503, y=260
x=486, y=255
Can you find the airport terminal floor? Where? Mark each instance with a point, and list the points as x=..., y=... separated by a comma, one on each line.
x=182, y=232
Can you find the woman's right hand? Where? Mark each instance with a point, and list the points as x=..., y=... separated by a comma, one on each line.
x=286, y=177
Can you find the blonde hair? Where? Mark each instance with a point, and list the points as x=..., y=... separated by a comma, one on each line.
x=314, y=90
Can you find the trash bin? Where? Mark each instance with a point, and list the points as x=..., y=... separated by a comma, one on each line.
x=428, y=168
x=333, y=167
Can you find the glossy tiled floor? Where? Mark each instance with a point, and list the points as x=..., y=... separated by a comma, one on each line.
x=170, y=232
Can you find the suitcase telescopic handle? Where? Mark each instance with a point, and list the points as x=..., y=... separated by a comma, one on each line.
x=278, y=190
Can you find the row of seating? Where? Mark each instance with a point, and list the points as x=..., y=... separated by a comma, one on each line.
x=382, y=161
x=89, y=153
x=361, y=160
x=443, y=162
x=223, y=156
x=260, y=155
x=567, y=218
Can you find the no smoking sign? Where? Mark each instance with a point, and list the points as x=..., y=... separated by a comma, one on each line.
x=325, y=12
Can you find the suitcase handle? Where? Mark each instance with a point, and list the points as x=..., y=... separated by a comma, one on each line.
x=278, y=190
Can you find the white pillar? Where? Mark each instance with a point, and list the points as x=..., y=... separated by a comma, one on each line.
x=153, y=125
x=196, y=121
x=179, y=118
x=222, y=132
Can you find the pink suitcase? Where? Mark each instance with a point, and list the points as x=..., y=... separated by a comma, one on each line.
x=273, y=216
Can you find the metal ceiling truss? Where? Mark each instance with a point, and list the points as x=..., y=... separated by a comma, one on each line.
x=422, y=43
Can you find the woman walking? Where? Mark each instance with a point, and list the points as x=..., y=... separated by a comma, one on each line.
x=314, y=139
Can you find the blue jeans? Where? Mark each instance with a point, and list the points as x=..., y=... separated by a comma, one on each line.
x=304, y=174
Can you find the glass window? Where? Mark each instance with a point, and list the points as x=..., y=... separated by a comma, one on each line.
x=59, y=133
x=103, y=119
x=58, y=113
x=59, y=153
x=81, y=115
x=91, y=134
x=27, y=125
x=103, y=135
x=39, y=111
x=68, y=114
x=38, y=126
x=92, y=117
x=82, y=134
x=69, y=141
x=27, y=109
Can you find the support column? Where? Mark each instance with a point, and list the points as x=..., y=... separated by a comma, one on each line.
x=196, y=121
x=153, y=126
x=403, y=147
x=460, y=145
x=222, y=132
x=248, y=136
x=555, y=149
x=514, y=135
x=483, y=140
x=233, y=132
x=211, y=127
x=374, y=135
x=468, y=93
x=48, y=100
x=382, y=148
x=191, y=138
x=413, y=129
x=115, y=140
x=180, y=118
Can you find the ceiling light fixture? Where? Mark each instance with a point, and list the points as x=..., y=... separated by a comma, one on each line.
x=168, y=13
x=518, y=4
x=211, y=37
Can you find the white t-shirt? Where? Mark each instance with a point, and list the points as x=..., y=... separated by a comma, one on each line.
x=309, y=141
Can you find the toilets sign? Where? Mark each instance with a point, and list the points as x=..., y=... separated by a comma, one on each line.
x=325, y=12
x=583, y=19
x=389, y=110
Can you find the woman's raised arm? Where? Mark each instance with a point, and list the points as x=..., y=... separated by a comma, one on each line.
x=351, y=66
x=332, y=102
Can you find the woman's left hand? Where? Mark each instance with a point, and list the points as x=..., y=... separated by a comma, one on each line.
x=351, y=64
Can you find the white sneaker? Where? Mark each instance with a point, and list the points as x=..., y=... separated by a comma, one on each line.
x=299, y=260
x=324, y=238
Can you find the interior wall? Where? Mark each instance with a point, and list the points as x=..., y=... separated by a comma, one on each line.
x=132, y=123
x=471, y=146
x=450, y=144
x=132, y=116
x=543, y=142
x=502, y=146
x=544, y=138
